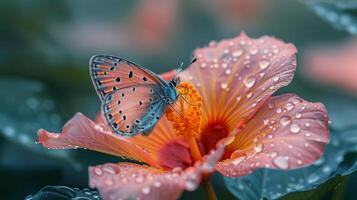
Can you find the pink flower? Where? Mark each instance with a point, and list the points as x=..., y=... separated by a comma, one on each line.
x=230, y=123
x=335, y=65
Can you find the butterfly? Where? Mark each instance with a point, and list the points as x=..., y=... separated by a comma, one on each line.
x=133, y=98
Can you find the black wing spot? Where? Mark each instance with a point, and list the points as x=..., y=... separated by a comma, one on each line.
x=112, y=68
x=99, y=83
x=110, y=116
x=150, y=99
x=145, y=79
x=130, y=74
x=151, y=91
x=137, y=121
x=140, y=103
x=157, y=118
x=120, y=111
x=127, y=126
x=133, y=89
x=151, y=108
x=119, y=102
x=153, y=114
x=114, y=88
x=115, y=125
x=115, y=64
x=117, y=79
x=122, y=94
x=124, y=117
x=105, y=73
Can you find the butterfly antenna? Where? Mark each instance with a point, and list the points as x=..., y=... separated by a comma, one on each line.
x=176, y=111
x=179, y=70
x=187, y=101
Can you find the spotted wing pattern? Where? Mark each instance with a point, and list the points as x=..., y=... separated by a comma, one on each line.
x=133, y=98
x=110, y=73
x=134, y=110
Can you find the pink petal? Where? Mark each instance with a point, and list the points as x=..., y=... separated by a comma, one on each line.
x=132, y=181
x=236, y=76
x=335, y=65
x=81, y=132
x=288, y=132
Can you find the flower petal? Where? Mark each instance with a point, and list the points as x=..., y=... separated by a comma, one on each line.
x=236, y=76
x=81, y=132
x=286, y=133
x=132, y=181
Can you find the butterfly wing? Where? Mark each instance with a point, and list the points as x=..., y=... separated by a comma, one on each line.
x=135, y=109
x=133, y=97
x=110, y=73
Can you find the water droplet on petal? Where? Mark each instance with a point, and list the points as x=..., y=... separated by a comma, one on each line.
x=281, y=162
x=157, y=184
x=285, y=120
x=224, y=85
x=263, y=64
x=98, y=171
x=276, y=79
x=253, y=51
x=271, y=105
x=146, y=190
x=273, y=154
x=237, y=53
x=228, y=71
x=249, y=95
x=258, y=148
x=249, y=82
x=289, y=106
x=238, y=160
x=295, y=128
x=298, y=115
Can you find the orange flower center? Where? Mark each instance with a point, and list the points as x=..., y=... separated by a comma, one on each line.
x=186, y=116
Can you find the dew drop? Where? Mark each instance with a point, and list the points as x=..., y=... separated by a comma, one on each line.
x=253, y=51
x=249, y=95
x=190, y=185
x=249, y=82
x=228, y=71
x=157, y=184
x=285, y=120
x=237, y=53
x=98, y=171
x=281, y=162
x=298, y=115
x=273, y=154
x=224, y=85
x=263, y=64
x=146, y=190
x=258, y=148
x=295, y=128
x=289, y=106
x=276, y=79
x=271, y=105
x=238, y=160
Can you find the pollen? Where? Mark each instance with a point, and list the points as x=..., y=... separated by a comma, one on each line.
x=186, y=112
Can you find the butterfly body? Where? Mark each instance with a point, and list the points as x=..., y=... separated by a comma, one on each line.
x=133, y=98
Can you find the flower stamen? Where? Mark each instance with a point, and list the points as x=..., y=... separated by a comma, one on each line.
x=186, y=116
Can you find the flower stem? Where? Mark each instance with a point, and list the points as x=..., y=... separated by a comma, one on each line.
x=211, y=195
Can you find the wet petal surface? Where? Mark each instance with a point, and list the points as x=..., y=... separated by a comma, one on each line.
x=236, y=76
x=146, y=182
x=286, y=133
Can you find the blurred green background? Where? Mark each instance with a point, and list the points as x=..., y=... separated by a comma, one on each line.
x=45, y=47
